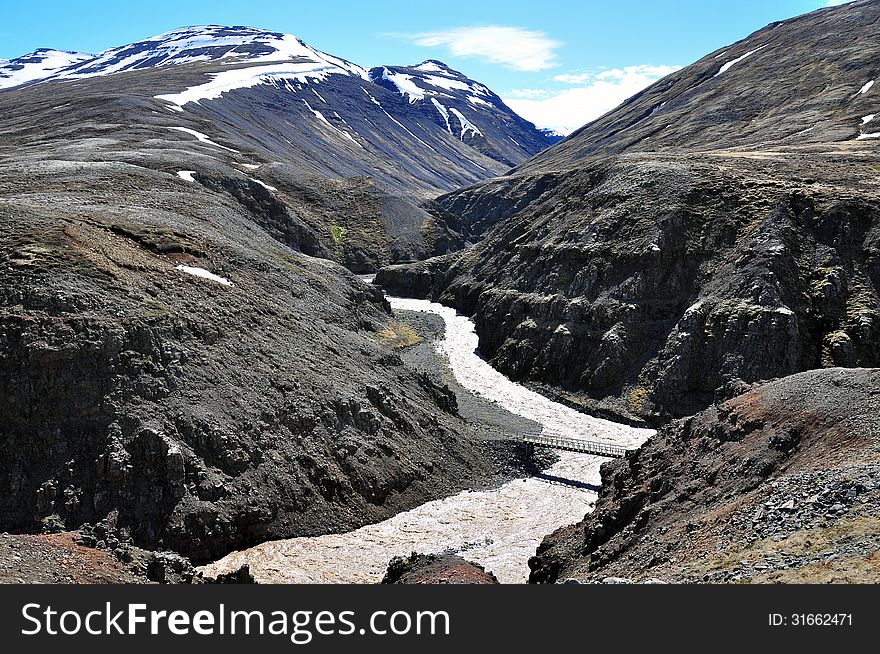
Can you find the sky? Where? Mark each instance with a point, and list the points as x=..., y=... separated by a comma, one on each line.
x=559, y=63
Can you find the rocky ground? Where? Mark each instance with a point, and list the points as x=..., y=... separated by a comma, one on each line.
x=59, y=559
x=436, y=569
x=781, y=484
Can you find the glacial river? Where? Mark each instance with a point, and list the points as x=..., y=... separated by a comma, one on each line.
x=499, y=528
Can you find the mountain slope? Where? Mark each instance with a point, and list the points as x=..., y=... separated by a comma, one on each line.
x=352, y=159
x=778, y=485
x=807, y=80
x=649, y=275
x=466, y=109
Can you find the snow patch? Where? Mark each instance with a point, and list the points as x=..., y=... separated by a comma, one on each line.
x=474, y=100
x=242, y=78
x=734, y=62
x=430, y=67
x=466, y=125
x=201, y=137
x=187, y=175
x=404, y=84
x=866, y=88
x=447, y=83
x=263, y=184
x=204, y=274
x=865, y=137
x=443, y=111
x=323, y=119
x=372, y=99
x=867, y=119
x=37, y=65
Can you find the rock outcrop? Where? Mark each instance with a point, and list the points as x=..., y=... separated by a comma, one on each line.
x=436, y=569
x=778, y=484
x=172, y=359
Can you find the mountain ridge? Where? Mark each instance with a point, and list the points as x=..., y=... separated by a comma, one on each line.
x=250, y=46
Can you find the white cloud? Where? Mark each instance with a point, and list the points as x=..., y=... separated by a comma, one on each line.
x=514, y=47
x=530, y=94
x=577, y=78
x=595, y=94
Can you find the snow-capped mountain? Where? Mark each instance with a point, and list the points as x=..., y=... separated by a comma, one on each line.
x=553, y=136
x=37, y=65
x=466, y=109
x=238, y=58
x=209, y=43
x=315, y=146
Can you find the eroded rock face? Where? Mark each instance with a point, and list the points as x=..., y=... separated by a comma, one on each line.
x=668, y=282
x=774, y=484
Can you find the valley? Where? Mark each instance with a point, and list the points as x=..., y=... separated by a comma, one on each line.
x=498, y=529
x=266, y=307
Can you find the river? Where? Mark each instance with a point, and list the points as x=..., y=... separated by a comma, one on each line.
x=500, y=528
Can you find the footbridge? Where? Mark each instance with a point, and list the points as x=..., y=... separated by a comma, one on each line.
x=540, y=439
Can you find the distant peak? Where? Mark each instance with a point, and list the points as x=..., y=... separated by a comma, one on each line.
x=215, y=33
x=434, y=66
x=64, y=52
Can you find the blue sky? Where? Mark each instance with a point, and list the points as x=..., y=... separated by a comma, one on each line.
x=556, y=62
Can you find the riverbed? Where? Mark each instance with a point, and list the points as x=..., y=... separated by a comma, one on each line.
x=500, y=528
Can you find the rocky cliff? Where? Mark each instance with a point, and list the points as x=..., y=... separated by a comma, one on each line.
x=780, y=484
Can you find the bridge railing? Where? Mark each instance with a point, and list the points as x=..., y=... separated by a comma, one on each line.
x=575, y=445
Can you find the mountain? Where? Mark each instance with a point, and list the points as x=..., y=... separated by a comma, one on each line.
x=448, y=98
x=37, y=65
x=352, y=158
x=757, y=91
x=552, y=135
x=720, y=228
x=184, y=363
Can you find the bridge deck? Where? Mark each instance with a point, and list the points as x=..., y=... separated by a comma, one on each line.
x=575, y=445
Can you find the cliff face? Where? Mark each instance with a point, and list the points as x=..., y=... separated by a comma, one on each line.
x=650, y=273
x=780, y=484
